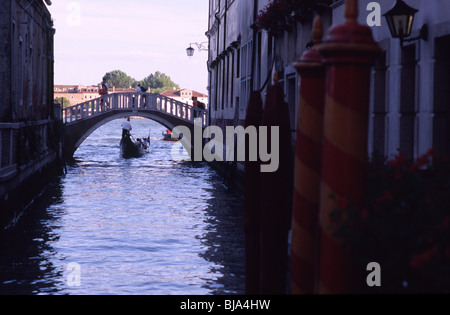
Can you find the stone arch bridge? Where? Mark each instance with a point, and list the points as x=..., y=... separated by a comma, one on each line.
x=83, y=119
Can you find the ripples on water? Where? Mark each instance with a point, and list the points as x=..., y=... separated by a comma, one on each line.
x=140, y=226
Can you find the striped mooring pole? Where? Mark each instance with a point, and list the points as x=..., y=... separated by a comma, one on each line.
x=349, y=52
x=304, y=245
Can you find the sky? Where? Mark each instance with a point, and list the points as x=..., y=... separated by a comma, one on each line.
x=138, y=37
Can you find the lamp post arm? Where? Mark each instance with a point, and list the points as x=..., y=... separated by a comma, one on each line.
x=422, y=35
x=200, y=46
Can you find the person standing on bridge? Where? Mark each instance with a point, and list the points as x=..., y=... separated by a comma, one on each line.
x=194, y=104
x=103, y=92
x=126, y=127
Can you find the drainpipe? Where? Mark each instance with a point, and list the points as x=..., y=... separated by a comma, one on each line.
x=225, y=16
x=207, y=65
x=255, y=33
x=216, y=15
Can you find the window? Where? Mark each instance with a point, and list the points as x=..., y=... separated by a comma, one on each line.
x=408, y=101
x=30, y=76
x=258, y=62
x=20, y=72
x=245, y=72
x=441, y=120
x=291, y=87
x=226, y=80
x=219, y=84
x=232, y=80
x=238, y=63
x=379, y=106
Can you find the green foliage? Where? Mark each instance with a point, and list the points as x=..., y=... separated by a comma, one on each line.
x=280, y=15
x=65, y=102
x=157, y=82
x=119, y=79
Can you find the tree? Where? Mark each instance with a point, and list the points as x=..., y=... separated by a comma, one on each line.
x=159, y=82
x=65, y=102
x=119, y=79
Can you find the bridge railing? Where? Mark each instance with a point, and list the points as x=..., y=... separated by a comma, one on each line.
x=135, y=102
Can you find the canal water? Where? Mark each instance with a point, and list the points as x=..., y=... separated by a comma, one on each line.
x=154, y=225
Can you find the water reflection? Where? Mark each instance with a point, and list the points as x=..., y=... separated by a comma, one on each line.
x=142, y=226
x=224, y=241
x=26, y=249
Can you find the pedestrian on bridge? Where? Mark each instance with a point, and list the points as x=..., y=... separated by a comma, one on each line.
x=103, y=92
x=194, y=104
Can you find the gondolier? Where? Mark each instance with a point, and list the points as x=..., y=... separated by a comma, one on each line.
x=126, y=127
x=129, y=147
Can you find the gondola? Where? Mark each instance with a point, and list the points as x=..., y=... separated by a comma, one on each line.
x=168, y=136
x=131, y=148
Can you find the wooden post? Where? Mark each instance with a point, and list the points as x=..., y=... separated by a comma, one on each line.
x=349, y=52
x=307, y=167
x=276, y=196
x=252, y=211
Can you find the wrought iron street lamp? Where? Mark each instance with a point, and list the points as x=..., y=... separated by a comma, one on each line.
x=200, y=47
x=190, y=51
x=400, y=20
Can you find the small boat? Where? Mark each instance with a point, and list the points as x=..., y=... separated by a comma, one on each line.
x=131, y=148
x=169, y=136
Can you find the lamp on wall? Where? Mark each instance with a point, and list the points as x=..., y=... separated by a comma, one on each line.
x=190, y=51
x=400, y=19
x=200, y=47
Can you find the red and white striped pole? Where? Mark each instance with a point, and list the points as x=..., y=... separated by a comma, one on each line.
x=348, y=52
x=304, y=245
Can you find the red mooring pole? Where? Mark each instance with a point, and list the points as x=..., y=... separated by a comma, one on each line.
x=304, y=245
x=348, y=52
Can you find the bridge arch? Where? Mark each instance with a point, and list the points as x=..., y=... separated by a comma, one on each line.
x=83, y=119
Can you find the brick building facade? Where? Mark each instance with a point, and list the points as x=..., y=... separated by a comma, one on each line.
x=29, y=120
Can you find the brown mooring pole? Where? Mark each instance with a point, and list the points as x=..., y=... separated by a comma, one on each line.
x=276, y=196
x=252, y=211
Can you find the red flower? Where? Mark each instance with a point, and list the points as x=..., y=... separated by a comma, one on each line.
x=385, y=197
x=423, y=160
x=445, y=159
x=446, y=223
x=398, y=161
x=364, y=213
x=419, y=261
x=430, y=153
x=342, y=203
